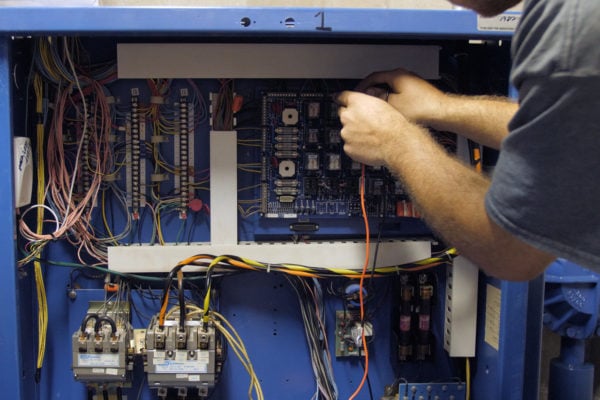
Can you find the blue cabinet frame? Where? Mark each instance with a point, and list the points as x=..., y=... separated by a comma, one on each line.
x=511, y=372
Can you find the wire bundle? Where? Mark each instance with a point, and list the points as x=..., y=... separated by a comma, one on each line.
x=91, y=155
x=312, y=308
x=87, y=147
x=231, y=263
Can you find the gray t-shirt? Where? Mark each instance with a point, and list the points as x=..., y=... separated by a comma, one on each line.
x=546, y=185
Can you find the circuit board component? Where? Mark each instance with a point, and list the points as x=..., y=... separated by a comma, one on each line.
x=305, y=172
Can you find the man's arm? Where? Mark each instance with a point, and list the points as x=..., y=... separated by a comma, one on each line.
x=483, y=119
x=449, y=194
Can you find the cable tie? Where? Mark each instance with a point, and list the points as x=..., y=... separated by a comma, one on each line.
x=268, y=268
x=53, y=236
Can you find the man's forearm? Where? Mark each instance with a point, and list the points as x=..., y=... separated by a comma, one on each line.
x=451, y=197
x=483, y=119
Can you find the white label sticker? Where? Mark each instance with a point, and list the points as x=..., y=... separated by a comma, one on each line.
x=98, y=370
x=98, y=360
x=203, y=356
x=493, y=304
x=181, y=376
x=181, y=356
x=194, y=378
x=112, y=371
x=159, y=357
x=183, y=367
x=504, y=22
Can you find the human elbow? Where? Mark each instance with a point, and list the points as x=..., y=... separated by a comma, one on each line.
x=517, y=269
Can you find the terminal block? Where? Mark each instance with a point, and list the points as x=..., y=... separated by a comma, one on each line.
x=102, y=357
x=186, y=361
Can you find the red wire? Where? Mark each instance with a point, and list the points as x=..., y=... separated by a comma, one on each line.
x=361, y=283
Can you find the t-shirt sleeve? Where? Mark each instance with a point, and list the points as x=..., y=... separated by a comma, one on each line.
x=546, y=185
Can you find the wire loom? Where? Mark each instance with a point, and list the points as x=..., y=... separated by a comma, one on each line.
x=230, y=263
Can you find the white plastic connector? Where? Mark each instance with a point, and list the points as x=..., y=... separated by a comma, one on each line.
x=23, y=170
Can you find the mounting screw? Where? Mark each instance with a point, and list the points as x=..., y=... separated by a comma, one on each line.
x=245, y=22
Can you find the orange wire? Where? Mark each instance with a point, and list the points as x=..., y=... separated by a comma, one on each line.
x=361, y=283
x=163, y=309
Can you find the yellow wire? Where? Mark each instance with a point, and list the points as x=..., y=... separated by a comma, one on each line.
x=39, y=277
x=206, y=304
x=234, y=339
x=307, y=271
x=105, y=220
x=468, y=378
x=159, y=232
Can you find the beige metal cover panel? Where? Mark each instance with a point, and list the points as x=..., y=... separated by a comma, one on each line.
x=260, y=61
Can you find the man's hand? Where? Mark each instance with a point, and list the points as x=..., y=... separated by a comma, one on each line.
x=372, y=129
x=418, y=100
x=483, y=119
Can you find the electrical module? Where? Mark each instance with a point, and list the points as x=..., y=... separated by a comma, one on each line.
x=182, y=358
x=305, y=170
x=102, y=357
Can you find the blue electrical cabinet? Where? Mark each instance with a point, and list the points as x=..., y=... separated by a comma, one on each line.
x=473, y=57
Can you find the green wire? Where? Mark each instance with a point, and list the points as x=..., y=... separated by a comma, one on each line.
x=125, y=275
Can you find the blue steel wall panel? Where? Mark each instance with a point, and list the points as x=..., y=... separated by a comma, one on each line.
x=512, y=370
x=266, y=315
x=10, y=338
x=378, y=23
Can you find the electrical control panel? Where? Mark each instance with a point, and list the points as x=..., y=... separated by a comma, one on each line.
x=216, y=170
x=223, y=176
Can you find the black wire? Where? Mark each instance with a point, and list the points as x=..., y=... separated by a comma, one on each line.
x=168, y=282
x=86, y=319
x=376, y=253
x=193, y=227
x=368, y=379
x=109, y=320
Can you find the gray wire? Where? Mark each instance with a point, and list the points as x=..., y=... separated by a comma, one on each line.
x=315, y=333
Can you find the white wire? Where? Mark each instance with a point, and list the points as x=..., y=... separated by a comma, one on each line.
x=85, y=123
x=45, y=207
